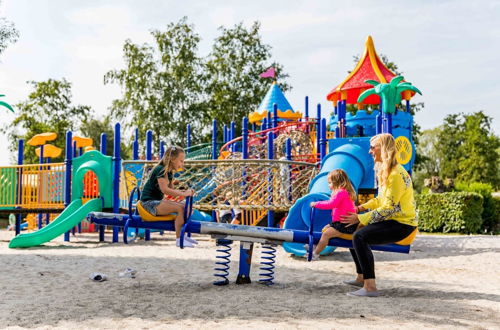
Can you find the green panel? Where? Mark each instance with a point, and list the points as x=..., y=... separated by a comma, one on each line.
x=69, y=218
x=8, y=185
x=99, y=164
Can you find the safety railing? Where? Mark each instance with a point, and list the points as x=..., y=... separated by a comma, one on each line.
x=33, y=186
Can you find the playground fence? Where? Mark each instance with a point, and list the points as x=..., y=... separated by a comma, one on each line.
x=33, y=186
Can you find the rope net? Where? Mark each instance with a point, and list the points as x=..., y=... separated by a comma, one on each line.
x=249, y=184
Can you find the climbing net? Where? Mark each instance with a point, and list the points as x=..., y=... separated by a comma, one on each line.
x=250, y=184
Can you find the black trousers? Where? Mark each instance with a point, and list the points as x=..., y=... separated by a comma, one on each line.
x=383, y=232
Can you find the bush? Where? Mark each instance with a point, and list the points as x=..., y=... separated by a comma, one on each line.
x=450, y=212
x=490, y=210
x=496, y=208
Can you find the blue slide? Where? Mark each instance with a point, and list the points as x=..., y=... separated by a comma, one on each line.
x=354, y=159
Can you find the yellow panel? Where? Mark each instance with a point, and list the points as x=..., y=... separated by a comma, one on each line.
x=82, y=142
x=404, y=150
x=41, y=138
x=49, y=150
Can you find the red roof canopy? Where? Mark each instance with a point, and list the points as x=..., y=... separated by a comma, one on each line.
x=369, y=67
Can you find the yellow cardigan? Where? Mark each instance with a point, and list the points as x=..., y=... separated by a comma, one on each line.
x=394, y=201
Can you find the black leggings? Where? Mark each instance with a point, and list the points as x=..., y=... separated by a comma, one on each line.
x=384, y=232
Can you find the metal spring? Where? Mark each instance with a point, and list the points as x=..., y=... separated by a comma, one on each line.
x=267, y=264
x=222, y=261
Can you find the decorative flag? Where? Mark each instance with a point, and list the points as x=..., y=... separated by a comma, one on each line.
x=269, y=73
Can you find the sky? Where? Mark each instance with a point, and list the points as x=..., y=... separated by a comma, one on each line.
x=448, y=49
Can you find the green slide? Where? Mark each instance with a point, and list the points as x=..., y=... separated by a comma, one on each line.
x=70, y=217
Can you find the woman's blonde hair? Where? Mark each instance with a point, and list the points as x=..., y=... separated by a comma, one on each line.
x=170, y=154
x=387, y=154
x=339, y=179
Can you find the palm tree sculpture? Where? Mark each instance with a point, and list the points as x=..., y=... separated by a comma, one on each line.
x=5, y=104
x=390, y=94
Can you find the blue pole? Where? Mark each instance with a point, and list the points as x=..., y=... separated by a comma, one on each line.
x=40, y=215
x=246, y=248
x=244, y=135
x=270, y=155
x=389, y=123
x=103, y=147
x=20, y=160
x=322, y=141
x=264, y=124
x=67, y=179
x=135, y=155
x=225, y=134
x=288, y=151
x=408, y=108
x=318, y=127
x=244, y=155
x=104, y=143
x=214, y=139
x=149, y=156
x=233, y=135
x=116, y=177
x=307, y=109
x=75, y=150
x=214, y=156
x=149, y=145
x=275, y=115
x=269, y=120
x=342, y=120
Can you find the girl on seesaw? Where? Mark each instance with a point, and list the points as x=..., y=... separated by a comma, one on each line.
x=160, y=183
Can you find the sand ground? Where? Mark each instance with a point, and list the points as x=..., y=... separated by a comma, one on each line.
x=446, y=282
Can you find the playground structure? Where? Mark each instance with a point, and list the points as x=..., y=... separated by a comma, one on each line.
x=272, y=169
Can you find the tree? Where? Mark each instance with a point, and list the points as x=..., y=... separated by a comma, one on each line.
x=168, y=85
x=234, y=87
x=427, y=148
x=467, y=149
x=162, y=84
x=48, y=109
x=8, y=33
x=429, y=164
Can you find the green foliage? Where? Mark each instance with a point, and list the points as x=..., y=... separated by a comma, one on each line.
x=234, y=87
x=428, y=162
x=496, y=208
x=467, y=149
x=162, y=84
x=490, y=213
x=428, y=142
x=450, y=212
x=47, y=109
x=8, y=33
x=93, y=128
x=168, y=85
